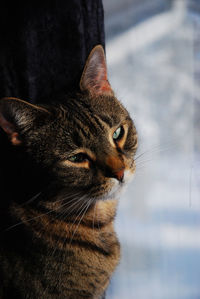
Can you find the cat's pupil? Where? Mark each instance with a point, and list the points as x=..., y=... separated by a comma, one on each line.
x=78, y=158
x=118, y=133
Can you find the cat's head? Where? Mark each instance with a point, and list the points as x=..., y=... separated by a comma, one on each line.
x=87, y=144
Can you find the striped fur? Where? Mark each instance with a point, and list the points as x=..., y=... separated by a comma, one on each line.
x=57, y=237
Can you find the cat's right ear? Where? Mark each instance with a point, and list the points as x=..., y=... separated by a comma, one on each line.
x=94, y=77
x=16, y=116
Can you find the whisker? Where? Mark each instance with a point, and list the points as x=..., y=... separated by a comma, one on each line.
x=39, y=216
x=94, y=220
x=149, y=156
x=82, y=198
x=98, y=221
x=141, y=163
x=70, y=211
x=84, y=212
x=156, y=149
x=31, y=200
x=68, y=196
x=82, y=207
x=77, y=201
x=56, y=247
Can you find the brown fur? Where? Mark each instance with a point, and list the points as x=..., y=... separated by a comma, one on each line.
x=60, y=187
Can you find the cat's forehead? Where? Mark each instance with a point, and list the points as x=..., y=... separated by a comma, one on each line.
x=104, y=109
x=108, y=105
x=89, y=122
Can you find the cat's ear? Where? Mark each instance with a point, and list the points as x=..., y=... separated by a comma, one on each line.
x=94, y=78
x=16, y=116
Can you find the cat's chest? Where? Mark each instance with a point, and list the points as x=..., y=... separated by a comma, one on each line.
x=76, y=272
x=55, y=263
x=81, y=271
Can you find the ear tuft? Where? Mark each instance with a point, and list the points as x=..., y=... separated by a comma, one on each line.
x=16, y=116
x=7, y=125
x=94, y=78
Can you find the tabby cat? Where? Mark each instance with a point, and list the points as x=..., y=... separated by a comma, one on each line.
x=61, y=173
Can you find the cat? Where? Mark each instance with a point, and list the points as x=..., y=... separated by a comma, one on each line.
x=60, y=180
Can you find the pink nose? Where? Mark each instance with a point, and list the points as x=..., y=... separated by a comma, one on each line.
x=116, y=167
x=119, y=174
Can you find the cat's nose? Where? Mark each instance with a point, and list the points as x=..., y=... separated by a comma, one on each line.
x=115, y=167
x=119, y=174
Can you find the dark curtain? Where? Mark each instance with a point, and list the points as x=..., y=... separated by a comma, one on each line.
x=44, y=46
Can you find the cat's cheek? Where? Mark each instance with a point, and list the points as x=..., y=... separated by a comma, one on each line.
x=130, y=168
x=129, y=175
x=119, y=188
x=114, y=185
x=114, y=189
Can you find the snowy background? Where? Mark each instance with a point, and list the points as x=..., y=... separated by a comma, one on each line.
x=153, y=56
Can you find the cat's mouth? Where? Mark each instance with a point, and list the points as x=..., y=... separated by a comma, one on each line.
x=115, y=191
x=113, y=188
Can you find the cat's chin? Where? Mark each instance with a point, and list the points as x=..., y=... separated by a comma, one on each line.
x=113, y=188
x=117, y=187
x=129, y=175
x=113, y=192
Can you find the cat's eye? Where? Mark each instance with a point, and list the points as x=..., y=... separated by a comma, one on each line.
x=78, y=158
x=118, y=134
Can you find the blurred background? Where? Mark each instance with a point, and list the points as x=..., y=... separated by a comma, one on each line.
x=153, y=55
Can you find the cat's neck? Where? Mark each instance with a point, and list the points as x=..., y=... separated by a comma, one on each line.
x=97, y=221
x=99, y=214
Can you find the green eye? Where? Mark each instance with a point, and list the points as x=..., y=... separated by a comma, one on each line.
x=78, y=158
x=118, y=134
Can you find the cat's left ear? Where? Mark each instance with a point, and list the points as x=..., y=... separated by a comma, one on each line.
x=17, y=116
x=94, y=78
